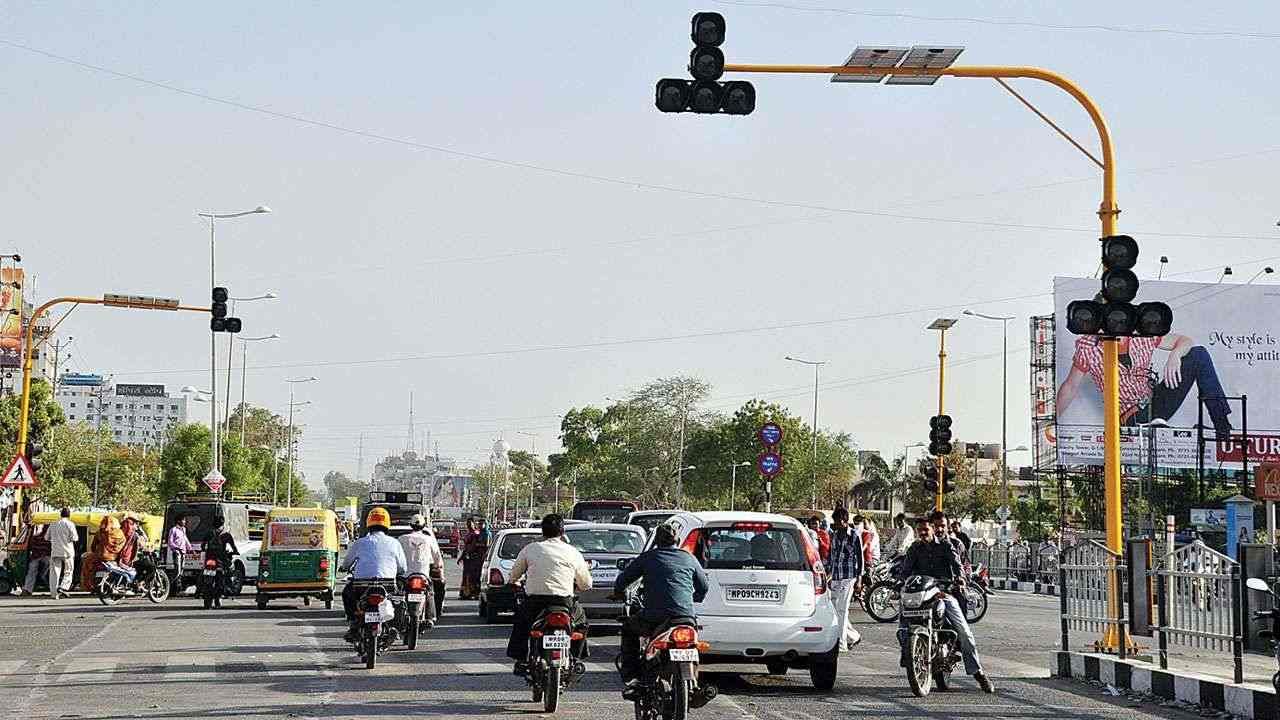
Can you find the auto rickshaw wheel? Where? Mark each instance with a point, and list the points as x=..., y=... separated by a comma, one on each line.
x=306, y=601
x=262, y=602
x=328, y=602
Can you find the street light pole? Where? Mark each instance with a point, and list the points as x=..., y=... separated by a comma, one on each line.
x=231, y=337
x=1004, y=399
x=813, y=502
x=733, y=482
x=213, y=217
x=244, y=371
x=289, y=448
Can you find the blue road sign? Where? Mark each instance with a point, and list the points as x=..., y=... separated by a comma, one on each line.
x=769, y=464
x=770, y=434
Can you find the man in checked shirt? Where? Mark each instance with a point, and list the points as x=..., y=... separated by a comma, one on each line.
x=844, y=569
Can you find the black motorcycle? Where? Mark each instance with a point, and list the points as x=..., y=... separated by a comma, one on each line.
x=668, y=685
x=1274, y=616
x=415, y=608
x=933, y=646
x=114, y=582
x=212, y=586
x=552, y=667
x=379, y=615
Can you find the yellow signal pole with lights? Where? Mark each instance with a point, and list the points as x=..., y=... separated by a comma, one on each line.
x=941, y=325
x=1107, y=213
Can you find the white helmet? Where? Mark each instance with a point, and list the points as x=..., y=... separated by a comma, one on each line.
x=417, y=521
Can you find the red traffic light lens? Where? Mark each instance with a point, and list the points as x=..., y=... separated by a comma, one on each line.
x=1119, y=252
x=1119, y=286
x=706, y=63
x=672, y=95
x=708, y=29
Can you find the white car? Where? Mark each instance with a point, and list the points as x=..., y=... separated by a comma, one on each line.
x=768, y=601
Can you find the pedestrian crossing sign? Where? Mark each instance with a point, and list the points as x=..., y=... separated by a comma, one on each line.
x=19, y=474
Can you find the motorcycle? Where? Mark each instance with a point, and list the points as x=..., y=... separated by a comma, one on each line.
x=1274, y=616
x=552, y=667
x=415, y=608
x=976, y=592
x=114, y=582
x=884, y=598
x=376, y=614
x=668, y=685
x=932, y=650
x=213, y=583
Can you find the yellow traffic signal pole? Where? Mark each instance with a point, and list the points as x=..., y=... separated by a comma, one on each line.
x=942, y=370
x=24, y=406
x=1107, y=212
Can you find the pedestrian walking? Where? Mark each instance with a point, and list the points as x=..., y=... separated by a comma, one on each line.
x=62, y=553
x=845, y=569
x=37, y=558
x=821, y=538
x=178, y=546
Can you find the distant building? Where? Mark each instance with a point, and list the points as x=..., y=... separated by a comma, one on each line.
x=440, y=480
x=137, y=414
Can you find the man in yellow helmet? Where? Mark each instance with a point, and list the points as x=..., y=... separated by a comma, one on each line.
x=376, y=555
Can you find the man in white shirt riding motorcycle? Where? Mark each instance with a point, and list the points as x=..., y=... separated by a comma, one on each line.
x=553, y=570
x=422, y=554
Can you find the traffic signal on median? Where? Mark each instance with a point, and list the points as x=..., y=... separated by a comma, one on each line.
x=1112, y=313
x=940, y=435
x=930, y=472
x=705, y=93
x=34, y=450
x=219, y=322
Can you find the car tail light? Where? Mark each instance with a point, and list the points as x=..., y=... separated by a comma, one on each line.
x=815, y=562
x=757, y=527
x=690, y=544
x=373, y=600
x=211, y=564
x=558, y=620
x=495, y=576
x=683, y=636
x=417, y=583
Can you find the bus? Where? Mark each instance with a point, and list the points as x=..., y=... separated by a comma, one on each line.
x=603, y=511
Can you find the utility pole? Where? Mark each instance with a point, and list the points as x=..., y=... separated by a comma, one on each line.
x=58, y=347
x=360, y=459
x=813, y=501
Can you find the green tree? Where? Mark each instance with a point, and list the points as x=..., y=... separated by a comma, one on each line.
x=338, y=485
x=186, y=459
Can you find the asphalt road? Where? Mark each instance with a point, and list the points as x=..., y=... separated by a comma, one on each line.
x=75, y=658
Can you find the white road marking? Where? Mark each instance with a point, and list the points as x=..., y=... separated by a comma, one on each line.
x=190, y=666
x=37, y=693
x=9, y=671
x=88, y=669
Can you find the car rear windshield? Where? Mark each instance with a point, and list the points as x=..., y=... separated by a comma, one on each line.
x=754, y=548
x=649, y=522
x=513, y=544
x=443, y=529
x=602, y=540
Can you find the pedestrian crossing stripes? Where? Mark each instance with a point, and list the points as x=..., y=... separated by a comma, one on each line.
x=473, y=663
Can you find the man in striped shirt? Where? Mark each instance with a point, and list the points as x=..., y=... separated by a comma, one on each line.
x=845, y=569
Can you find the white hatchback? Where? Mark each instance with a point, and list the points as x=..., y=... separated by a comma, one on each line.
x=768, y=601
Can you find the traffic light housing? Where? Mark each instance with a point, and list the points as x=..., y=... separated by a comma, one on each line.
x=931, y=479
x=705, y=94
x=218, y=320
x=34, y=450
x=1112, y=312
x=940, y=435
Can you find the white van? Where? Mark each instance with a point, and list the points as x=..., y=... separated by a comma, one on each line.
x=768, y=601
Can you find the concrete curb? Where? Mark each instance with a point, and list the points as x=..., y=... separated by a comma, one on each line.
x=1015, y=585
x=1246, y=700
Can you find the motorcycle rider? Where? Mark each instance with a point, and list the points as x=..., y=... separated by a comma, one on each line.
x=934, y=556
x=422, y=553
x=552, y=570
x=673, y=582
x=376, y=555
x=222, y=548
x=902, y=538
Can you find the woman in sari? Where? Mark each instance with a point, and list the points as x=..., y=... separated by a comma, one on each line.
x=133, y=540
x=106, y=547
x=471, y=561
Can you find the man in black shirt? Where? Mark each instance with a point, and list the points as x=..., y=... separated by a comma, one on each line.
x=935, y=557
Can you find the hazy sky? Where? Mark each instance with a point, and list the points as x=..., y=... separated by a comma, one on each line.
x=403, y=268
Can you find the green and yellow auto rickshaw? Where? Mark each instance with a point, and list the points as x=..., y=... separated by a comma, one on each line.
x=299, y=556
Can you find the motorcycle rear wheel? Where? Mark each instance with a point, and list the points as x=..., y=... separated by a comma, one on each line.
x=158, y=591
x=370, y=643
x=919, y=665
x=106, y=592
x=679, y=699
x=411, y=632
x=551, y=691
x=883, y=601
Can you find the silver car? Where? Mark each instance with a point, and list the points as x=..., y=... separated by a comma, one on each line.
x=607, y=548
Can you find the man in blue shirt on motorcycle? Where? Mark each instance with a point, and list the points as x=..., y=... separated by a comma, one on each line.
x=376, y=555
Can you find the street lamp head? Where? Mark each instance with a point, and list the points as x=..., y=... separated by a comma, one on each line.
x=262, y=209
x=941, y=324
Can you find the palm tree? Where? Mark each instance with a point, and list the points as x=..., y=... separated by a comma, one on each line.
x=879, y=481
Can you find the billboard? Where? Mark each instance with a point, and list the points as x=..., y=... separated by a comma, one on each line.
x=1225, y=343
x=80, y=380
x=10, y=322
x=139, y=390
x=448, y=491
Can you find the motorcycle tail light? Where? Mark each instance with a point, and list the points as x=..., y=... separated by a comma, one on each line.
x=576, y=636
x=535, y=634
x=416, y=584
x=211, y=564
x=373, y=601
x=495, y=576
x=703, y=646
x=558, y=620
x=684, y=636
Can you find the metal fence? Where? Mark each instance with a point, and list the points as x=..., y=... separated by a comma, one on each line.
x=1087, y=573
x=980, y=554
x=1046, y=563
x=999, y=559
x=1198, y=591
x=1020, y=561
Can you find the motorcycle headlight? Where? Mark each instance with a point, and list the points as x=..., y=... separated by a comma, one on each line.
x=912, y=600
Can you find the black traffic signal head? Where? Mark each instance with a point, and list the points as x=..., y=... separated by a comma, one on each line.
x=940, y=422
x=706, y=63
x=739, y=98
x=1084, y=317
x=220, y=295
x=704, y=96
x=672, y=95
x=1120, y=319
x=1119, y=285
x=34, y=449
x=708, y=28
x=1155, y=319
x=948, y=480
x=1119, y=252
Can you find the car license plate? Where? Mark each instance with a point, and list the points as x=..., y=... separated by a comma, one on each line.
x=416, y=597
x=915, y=613
x=556, y=641
x=683, y=654
x=210, y=572
x=604, y=576
x=753, y=593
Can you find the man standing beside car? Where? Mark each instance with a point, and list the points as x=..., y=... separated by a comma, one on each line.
x=844, y=570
